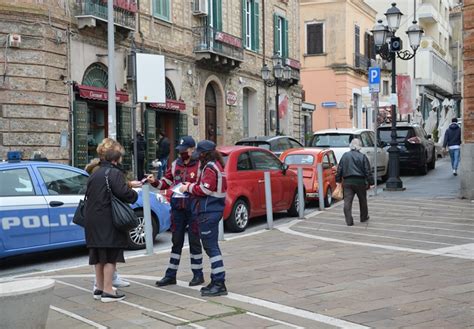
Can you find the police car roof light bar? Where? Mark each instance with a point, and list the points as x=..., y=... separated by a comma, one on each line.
x=14, y=156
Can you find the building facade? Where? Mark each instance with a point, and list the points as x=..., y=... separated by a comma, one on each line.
x=430, y=71
x=336, y=52
x=467, y=148
x=214, y=51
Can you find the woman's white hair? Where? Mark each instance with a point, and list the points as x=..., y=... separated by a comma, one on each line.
x=355, y=144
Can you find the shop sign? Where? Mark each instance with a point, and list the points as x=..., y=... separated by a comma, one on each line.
x=171, y=104
x=293, y=63
x=231, y=98
x=228, y=39
x=101, y=94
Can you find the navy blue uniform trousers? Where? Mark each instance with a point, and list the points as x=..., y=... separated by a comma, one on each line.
x=209, y=230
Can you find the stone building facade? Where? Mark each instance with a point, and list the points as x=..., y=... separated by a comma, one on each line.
x=54, y=93
x=467, y=148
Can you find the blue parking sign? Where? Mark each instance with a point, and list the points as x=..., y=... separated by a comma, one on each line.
x=374, y=79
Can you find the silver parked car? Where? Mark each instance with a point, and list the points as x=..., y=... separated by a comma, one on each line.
x=338, y=140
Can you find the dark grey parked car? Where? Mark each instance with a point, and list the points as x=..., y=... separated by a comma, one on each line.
x=417, y=149
x=276, y=144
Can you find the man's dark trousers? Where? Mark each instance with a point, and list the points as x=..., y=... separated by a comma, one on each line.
x=350, y=190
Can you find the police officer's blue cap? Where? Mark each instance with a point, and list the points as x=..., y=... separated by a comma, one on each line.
x=205, y=146
x=185, y=143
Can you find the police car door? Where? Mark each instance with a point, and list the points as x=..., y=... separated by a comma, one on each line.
x=22, y=211
x=63, y=188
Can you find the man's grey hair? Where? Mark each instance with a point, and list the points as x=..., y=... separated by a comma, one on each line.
x=355, y=144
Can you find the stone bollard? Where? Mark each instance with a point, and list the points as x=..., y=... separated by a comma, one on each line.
x=25, y=303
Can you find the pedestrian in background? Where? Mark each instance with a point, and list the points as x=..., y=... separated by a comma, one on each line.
x=93, y=166
x=184, y=169
x=452, y=143
x=353, y=172
x=104, y=241
x=141, y=152
x=163, y=153
x=211, y=191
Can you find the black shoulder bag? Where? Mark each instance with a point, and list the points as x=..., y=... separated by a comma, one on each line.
x=79, y=217
x=123, y=217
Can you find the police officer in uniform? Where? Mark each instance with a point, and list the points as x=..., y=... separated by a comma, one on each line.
x=211, y=191
x=185, y=169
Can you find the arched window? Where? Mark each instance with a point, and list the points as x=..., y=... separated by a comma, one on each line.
x=170, y=92
x=96, y=75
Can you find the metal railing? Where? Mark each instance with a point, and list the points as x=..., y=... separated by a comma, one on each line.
x=361, y=61
x=208, y=39
x=98, y=9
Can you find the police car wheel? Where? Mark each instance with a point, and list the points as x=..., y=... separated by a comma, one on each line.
x=136, y=236
x=239, y=218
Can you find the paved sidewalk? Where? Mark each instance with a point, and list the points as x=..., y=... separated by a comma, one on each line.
x=411, y=266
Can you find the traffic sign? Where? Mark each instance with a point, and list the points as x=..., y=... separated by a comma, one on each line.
x=374, y=79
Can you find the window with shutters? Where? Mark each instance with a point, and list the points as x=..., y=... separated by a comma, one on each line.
x=314, y=38
x=250, y=24
x=280, y=36
x=369, y=46
x=161, y=9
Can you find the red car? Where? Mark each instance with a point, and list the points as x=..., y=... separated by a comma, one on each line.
x=308, y=159
x=245, y=167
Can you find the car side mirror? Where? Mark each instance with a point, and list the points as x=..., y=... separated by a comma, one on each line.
x=284, y=168
x=428, y=137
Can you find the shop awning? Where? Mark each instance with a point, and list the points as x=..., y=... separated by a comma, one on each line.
x=101, y=94
x=171, y=104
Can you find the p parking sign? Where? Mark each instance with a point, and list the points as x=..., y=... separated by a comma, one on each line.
x=374, y=79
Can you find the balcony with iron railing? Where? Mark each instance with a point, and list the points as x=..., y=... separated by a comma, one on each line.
x=217, y=48
x=89, y=11
x=361, y=62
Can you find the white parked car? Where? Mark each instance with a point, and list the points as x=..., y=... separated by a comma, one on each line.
x=338, y=140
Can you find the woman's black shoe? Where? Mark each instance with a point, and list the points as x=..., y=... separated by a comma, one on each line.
x=108, y=298
x=216, y=289
x=166, y=281
x=196, y=281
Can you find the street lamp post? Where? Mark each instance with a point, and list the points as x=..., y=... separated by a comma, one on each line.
x=389, y=47
x=281, y=73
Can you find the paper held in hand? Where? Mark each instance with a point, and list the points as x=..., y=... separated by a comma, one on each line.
x=177, y=193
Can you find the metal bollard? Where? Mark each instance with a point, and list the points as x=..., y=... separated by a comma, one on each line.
x=300, y=193
x=221, y=230
x=147, y=219
x=268, y=200
x=320, y=186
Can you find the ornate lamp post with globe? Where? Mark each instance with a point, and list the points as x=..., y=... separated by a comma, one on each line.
x=389, y=47
x=281, y=73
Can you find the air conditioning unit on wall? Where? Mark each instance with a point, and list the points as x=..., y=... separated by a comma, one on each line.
x=200, y=8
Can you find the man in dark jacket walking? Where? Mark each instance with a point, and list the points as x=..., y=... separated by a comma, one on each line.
x=354, y=167
x=163, y=153
x=452, y=141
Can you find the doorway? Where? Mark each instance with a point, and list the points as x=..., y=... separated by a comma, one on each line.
x=211, y=114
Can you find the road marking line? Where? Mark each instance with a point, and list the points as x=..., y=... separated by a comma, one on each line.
x=372, y=235
x=188, y=322
x=400, y=231
x=287, y=229
x=166, y=290
x=77, y=317
x=273, y=320
x=376, y=218
x=463, y=249
x=241, y=298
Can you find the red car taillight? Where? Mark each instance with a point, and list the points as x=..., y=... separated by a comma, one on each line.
x=414, y=140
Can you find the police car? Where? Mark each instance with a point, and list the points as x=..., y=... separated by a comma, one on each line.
x=37, y=203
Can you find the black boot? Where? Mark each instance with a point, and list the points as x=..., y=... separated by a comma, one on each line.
x=166, y=281
x=207, y=287
x=215, y=289
x=196, y=281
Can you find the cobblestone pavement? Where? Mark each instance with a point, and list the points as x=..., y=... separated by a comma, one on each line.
x=410, y=266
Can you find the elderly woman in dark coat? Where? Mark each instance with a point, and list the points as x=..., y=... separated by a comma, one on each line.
x=104, y=241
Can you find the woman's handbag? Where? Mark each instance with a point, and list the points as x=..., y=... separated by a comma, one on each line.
x=79, y=218
x=338, y=193
x=123, y=217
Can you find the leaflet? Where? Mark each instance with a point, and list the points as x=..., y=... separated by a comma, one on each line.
x=177, y=193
